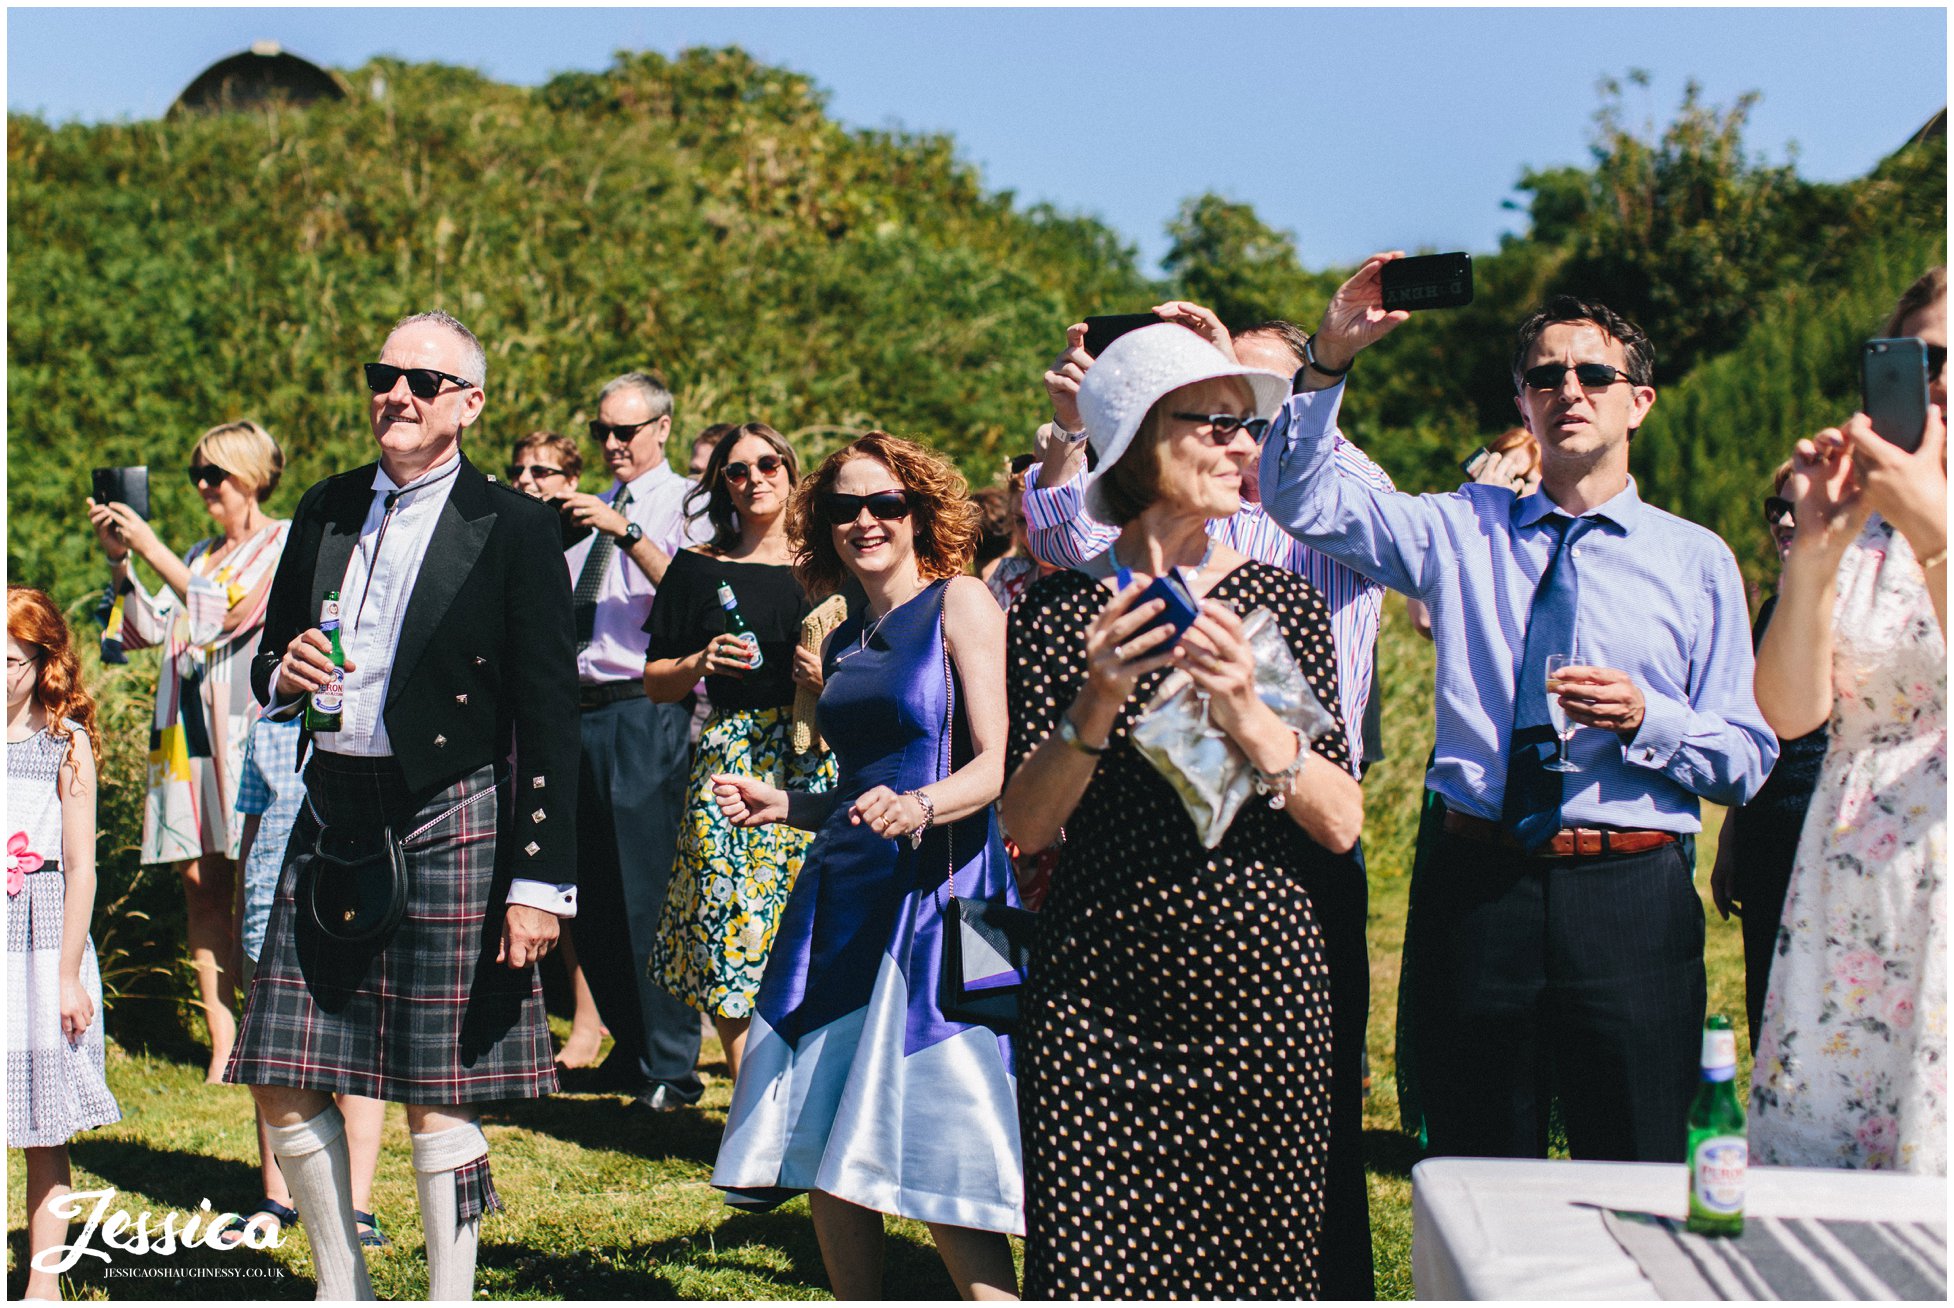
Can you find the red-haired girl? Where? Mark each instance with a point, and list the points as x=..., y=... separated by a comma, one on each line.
x=55, y=1084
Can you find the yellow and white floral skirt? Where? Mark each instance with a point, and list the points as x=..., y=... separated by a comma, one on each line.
x=730, y=883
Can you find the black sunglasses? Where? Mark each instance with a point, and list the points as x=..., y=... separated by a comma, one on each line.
x=624, y=431
x=536, y=470
x=207, y=474
x=1592, y=376
x=425, y=383
x=766, y=465
x=1223, y=426
x=1936, y=359
x=1777, y=508
x=883, y=506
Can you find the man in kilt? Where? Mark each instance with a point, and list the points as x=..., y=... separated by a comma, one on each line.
x=459, y=739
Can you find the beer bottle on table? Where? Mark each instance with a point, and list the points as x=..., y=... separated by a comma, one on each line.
x=1718, y=1149
x=325, y=707
x=737, y=625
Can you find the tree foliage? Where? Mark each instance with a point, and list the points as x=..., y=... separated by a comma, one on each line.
x=700, y=215
x=1681, y=229
x=1224, y=256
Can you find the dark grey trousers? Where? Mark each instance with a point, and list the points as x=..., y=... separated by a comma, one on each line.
x=631, y=792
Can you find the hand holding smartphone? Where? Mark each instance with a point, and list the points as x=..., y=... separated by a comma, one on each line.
x=1182, y=607
x=1893, y=389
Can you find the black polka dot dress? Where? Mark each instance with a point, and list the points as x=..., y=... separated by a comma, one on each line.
x=1174, y=1060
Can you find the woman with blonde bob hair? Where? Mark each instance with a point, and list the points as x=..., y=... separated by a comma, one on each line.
x=855, y=1085
x=205, y=616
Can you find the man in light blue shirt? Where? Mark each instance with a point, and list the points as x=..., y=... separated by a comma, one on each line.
x=1560, y=942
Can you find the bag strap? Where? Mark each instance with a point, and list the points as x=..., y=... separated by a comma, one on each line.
x=945, y=749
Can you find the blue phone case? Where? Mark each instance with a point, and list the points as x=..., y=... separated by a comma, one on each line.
x=1182, y=608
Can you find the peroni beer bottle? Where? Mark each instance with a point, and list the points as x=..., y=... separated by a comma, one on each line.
x=1718, y=1150
x=325, y=710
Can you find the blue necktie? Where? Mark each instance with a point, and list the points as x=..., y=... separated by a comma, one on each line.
x=1531, y=809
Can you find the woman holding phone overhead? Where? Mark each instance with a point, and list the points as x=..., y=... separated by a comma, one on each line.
x=1851, y=1070
x=206, y=617
x=1175, y=1051
x=855, y=1085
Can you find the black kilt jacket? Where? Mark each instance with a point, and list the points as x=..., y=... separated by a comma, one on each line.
x=487, y=657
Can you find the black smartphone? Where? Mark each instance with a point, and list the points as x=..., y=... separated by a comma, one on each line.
x=1893, y=388
x=1474, y=461
x=1106, y=328
x=573, y=531
x=1427, y=281
x=128, y=486
x=1182, y=608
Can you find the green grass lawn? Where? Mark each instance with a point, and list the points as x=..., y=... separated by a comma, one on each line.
x=605, y=1204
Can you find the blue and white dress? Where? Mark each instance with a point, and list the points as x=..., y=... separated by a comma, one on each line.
x=853, y=1082
x=55, y=1089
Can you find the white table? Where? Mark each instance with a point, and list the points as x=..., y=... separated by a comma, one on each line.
x=1524, y=1228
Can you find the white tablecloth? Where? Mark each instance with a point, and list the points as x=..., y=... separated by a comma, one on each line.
x=1523, y=1228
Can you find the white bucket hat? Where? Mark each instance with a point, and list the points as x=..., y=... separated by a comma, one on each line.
x=1131, y=376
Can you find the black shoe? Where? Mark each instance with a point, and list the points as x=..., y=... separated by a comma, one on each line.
x=656, y=1099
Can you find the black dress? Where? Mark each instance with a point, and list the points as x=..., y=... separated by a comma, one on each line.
x=1765, y=835
x=1174, y=1058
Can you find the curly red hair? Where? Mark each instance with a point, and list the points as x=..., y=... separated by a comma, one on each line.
x=32, y=619
x=947, y=522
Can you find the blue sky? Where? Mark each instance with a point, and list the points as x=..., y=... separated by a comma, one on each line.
x=1356, y=129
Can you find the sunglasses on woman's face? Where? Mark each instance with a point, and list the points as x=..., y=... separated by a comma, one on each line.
x=207, y=474
x=1936, y=359
x=536, y=471
x=883, y=506
x=1777, y=509
x=1223, y=426
x=766, y=465
x=424, y=383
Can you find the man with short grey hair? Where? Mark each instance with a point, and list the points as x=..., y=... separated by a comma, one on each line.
x=440, y=790
x=636, y=754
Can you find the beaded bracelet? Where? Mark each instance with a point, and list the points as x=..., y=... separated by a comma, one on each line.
x=929, y=818
x=1278, y=785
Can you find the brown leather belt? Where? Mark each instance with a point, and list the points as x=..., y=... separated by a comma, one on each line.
x=1569, y=842
x=608, y=692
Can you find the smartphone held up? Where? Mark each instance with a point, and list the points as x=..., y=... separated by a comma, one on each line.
x=1893, y=388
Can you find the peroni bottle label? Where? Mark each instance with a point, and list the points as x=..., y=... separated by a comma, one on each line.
x=1719, y=1164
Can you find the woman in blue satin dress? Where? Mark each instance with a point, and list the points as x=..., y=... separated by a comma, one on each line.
x=855, y=1086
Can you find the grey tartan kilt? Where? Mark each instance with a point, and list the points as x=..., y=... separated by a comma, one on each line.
x=427, y=1016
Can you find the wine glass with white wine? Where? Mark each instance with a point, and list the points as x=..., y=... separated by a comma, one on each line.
x=1563, y=727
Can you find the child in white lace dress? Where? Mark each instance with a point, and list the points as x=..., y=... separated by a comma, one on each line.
x=55, y=1083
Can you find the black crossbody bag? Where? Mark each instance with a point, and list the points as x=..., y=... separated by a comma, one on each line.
x=986, y=942
x=351, y=895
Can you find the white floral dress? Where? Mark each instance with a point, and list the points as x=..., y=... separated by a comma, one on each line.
x=1852, y=1067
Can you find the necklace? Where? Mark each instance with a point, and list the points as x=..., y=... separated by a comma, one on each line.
x=868, y=631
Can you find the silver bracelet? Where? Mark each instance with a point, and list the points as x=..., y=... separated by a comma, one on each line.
x=1278, y=785
x=929, y=818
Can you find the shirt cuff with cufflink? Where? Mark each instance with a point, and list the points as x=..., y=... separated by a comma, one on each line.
x=551, y=898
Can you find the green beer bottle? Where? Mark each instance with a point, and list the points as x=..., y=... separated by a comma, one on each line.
x=1718, y=1150
x=325, y=709
x=737, y=625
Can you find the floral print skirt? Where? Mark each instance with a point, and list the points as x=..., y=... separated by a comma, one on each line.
x=730, y=883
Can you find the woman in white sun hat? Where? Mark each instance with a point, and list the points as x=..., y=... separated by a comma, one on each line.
x=1174, y=1050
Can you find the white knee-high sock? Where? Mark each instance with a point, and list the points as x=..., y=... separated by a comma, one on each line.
x=451, y=1241
x=319, y=1172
